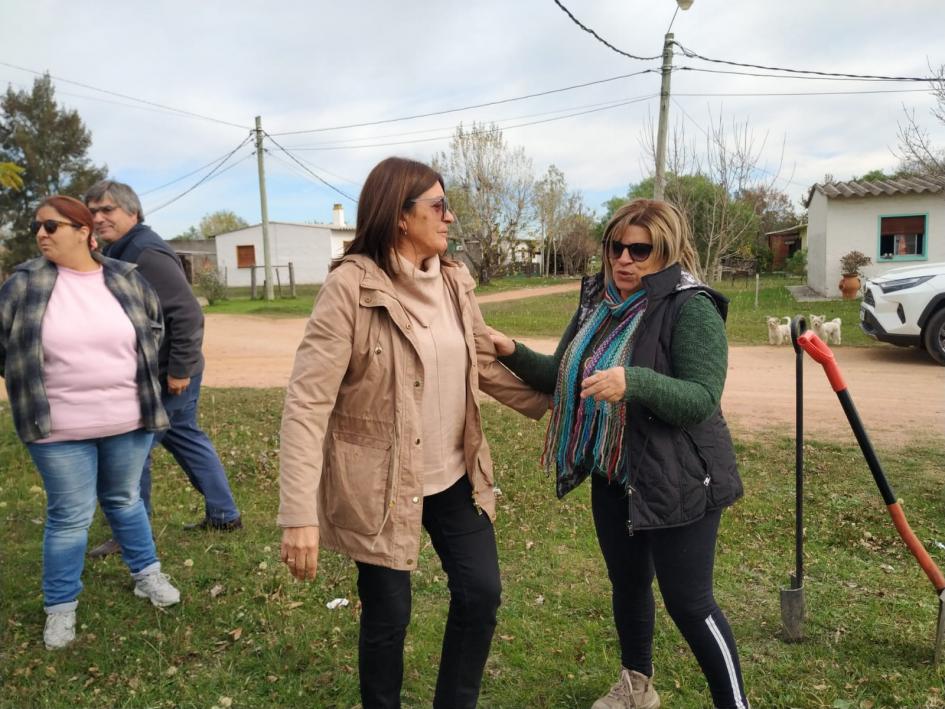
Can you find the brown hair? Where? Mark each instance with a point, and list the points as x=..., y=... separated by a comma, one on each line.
x=72, y=209
x=668, y=228
x=385, y=196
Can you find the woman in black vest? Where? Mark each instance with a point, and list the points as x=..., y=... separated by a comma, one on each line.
x=637, y=379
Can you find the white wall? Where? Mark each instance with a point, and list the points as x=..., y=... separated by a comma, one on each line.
x=838, y=226
x=309, y=247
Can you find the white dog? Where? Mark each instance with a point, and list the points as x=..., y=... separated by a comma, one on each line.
x=826, y=330
x=779, y=332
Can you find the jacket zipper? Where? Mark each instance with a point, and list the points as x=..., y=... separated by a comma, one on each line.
x=630, y=491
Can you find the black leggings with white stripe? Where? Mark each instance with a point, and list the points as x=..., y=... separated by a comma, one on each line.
x=682, y=560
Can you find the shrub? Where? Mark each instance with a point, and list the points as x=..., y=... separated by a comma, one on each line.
x=852, y=262
x=797, y=263
x=210, y=285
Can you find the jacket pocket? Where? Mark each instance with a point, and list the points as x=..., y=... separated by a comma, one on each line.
x=357, y=472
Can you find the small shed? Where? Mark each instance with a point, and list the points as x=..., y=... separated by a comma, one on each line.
x=784, y=243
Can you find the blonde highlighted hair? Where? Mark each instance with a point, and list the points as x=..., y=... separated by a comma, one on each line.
x=667, y=226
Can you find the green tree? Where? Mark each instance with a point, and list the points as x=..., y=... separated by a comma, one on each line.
x=220, y=222
x=51, y=144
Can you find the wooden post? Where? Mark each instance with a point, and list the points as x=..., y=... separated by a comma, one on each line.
x=252, y=283
x=291, y=280
x=278, y=280
x=757, y=288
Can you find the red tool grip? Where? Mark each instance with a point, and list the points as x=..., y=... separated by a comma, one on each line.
x=820, y=352
x=915, y=546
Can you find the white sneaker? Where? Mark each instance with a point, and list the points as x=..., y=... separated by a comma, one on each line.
x=60, y=630
x=157, y=587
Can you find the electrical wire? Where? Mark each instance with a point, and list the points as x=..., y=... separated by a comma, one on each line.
x=684, y=67
x=339, y=142
x=601, y=39
x=478, y=132
x=468, y=108
x=125, y=96
x=215, y=172
x=309, y=170
x=182, y=177
x=809, y=93
x=693, y=55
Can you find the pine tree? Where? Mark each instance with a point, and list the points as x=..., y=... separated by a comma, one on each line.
x=51, y=144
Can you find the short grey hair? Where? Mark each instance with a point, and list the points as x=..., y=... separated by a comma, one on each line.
x=120, y=193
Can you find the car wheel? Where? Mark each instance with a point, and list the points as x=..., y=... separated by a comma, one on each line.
x=933, y=337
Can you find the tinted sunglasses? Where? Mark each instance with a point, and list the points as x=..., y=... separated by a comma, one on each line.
x=638, y=252
x=440, y=204
x=50, y=225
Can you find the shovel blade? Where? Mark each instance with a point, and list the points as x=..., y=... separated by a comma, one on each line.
x=793, y=611
x=940, y=632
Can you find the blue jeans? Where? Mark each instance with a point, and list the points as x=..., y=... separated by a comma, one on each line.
x=194, y=452
x=75, y=473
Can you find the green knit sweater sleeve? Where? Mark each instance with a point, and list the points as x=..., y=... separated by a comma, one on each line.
x=700, y=362
x=540, y=371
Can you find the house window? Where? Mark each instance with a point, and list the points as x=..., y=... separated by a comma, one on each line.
x=902, y=238
x=245, y=256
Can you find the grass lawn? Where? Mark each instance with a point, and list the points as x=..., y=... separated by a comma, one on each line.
x=547, y=316
x=246, y=635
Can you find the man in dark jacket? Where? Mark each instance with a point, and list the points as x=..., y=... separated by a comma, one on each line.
x=119, y=223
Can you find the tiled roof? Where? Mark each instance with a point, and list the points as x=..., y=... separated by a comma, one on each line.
x=863, y=188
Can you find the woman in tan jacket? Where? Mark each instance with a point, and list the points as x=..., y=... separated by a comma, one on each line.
x=382, y=433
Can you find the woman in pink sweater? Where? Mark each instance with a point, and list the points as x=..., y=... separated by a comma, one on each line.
x=79, y=335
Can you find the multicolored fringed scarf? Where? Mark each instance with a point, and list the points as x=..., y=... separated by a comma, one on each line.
x=589, y=432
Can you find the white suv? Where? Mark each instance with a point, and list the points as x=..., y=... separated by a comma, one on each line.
x=906, y=306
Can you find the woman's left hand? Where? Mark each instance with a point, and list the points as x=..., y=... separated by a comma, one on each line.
x=605, y=385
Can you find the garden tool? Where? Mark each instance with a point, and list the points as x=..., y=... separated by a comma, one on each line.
x=821, y=353
x=793, y=606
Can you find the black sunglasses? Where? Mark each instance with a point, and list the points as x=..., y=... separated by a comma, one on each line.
x=50, y=225
x=638, y=251
x=440, y=204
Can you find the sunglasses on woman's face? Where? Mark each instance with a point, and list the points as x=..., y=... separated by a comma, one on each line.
x=50, y=225
x=638, y=251
x=440, y=204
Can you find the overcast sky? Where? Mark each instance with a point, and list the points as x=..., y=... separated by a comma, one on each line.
x=305, y=65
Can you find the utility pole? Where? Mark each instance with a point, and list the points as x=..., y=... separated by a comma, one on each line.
x=263, y=208
x=659, y=183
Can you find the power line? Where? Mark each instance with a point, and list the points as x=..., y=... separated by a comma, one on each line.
x=477, y=132
x=125, y=96
x=337, y=143
x=182, y=177
x=310, y=171
x=216, y=171
x=468, y=108
x=601, y=39
x=691, y=54
x=809, y=93
x=780, y=76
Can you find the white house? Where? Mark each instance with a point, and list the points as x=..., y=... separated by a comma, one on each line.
x=310, y=249
x=894, y=222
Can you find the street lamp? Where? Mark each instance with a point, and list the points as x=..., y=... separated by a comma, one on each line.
x=659, y=182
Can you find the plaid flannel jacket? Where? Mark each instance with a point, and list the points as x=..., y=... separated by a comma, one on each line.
x=23, y=300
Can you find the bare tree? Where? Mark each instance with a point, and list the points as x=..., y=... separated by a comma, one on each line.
x=489, y=185
x=917, y=152
x=710, y=186
x=576, y=243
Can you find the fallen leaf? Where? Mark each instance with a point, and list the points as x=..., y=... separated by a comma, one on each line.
x=236, y=633
x=170, y=671
x=188, y=563
x=216, y=591
x=294, y=604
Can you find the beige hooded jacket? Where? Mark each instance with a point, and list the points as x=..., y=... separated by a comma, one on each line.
x=351, y=450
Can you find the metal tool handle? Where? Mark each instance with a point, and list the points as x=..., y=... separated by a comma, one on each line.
x=822, y=353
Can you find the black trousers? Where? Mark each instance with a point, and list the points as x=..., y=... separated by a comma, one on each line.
x=682, y=559
x=465, y=542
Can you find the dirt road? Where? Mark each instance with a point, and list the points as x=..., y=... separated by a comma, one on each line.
x=899, y=393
